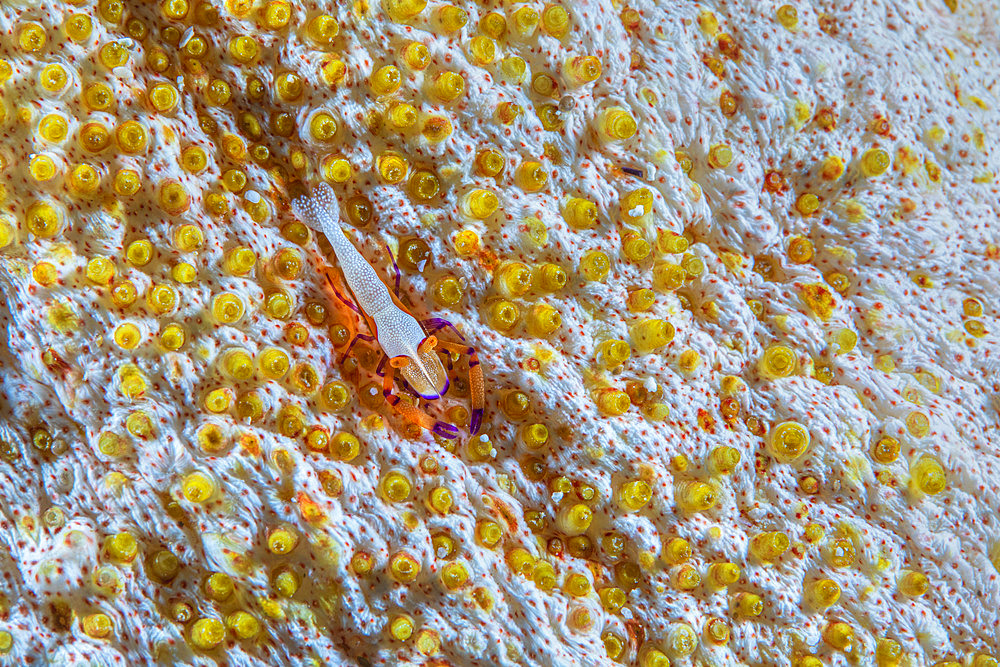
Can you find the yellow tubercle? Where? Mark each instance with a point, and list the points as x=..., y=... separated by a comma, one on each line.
x=788, y=441
x=42, y=168
x=401, y=628
x=581, y=70
x=480, y=204
x=612, y=402
x=386, y=80
x=913, y=584
x=617, y=124
x=595, y=265
x=97, y=626
x=503, y=315
x=724, y=574
x=531, y=176
x=748, y=605
x=483, y=50
x=874, y=162
x=243, y=625
x=649, y=334
x=207, y=633
x=555, y=21
x=448, y=86
x=580, y=213
x=227, y=308
x=198, y=487
x=392, y=167
x=720, y=156
x=451, y=18
x=404, y=10
x=122, y=547
x=928, y=476
x=395, y=487
x=416, y=56
x=696, y=496
x=100, y=270
x=840, y=636
x=403, y=567
x=634, y=495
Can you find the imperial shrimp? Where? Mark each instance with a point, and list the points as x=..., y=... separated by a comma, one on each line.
x=409, y=345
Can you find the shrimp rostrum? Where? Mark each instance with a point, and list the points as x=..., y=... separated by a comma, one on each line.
x=410, y=345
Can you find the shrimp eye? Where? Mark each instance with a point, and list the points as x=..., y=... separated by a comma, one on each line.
x=428, y=344
x=399, y=362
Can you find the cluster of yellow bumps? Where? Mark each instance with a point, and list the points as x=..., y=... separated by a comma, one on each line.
x=76, y=145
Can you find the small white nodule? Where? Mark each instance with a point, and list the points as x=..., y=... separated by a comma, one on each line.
x=252, y=196
x=636, y=212
x=186, y=37
x=650, y=384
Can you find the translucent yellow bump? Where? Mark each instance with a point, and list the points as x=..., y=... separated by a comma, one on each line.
x=555, y=21
x=78, y=27
x=513, y=68
x=788, y=441
x=42, y=168
x=580, y=213
x=581, y=70
x=440, y=500
x=197, y=487
x=126, y=182
x=53, y=78
x=416, y=56
x=617, y=124
x=531, y=176
x=543, y=320
x=928, y=475
x=913, y=584
x=31, y=37
x=127, y=336
x=696, y=496
x=97, y=625
x=650, y=334
x=100, y=270
x=207, y=633
x=323, y=29
x=839, y=635
x=483, y=50
x=122, y=547
x=634, y=495
x=874, y=162
x=595, y=265
x=720, y=156
x=403, y=10
x=480, y=204
x=395, y=487
x=778, y=361
x=243, y=625
x=448, y=86
x=807, y=203
x=392, y=167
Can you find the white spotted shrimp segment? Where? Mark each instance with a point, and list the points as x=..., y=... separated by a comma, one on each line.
x=320, y=211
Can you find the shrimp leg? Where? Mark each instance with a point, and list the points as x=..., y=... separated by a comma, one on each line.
x=477, y=386
x=409, y=412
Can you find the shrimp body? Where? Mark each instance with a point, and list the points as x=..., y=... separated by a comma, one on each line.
x=403, y=339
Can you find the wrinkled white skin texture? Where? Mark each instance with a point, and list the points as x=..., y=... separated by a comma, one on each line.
x=917, y=64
